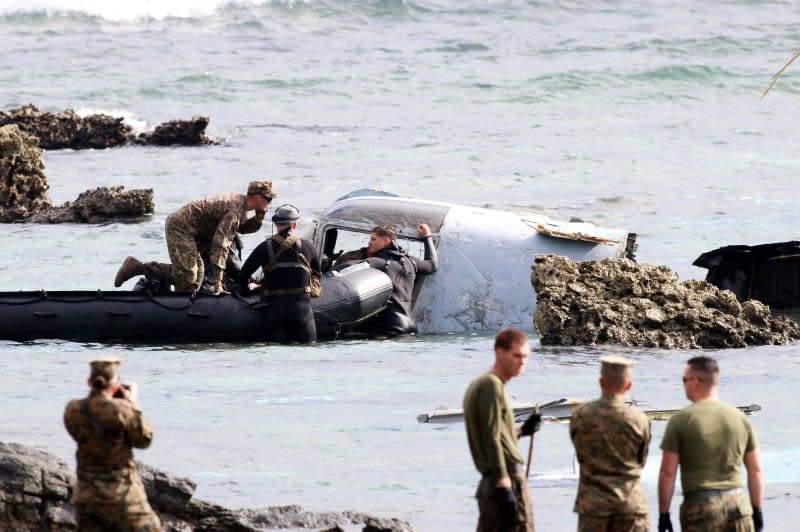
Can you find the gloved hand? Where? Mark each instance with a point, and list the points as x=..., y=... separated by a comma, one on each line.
x=758, y=518
x=506, y=502
x=664, y=523
x=532, y=424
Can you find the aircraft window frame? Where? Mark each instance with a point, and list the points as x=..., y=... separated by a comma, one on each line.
x=415, y=247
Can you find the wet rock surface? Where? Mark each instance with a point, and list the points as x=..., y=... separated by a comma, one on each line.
x=617, y=301
x=99, y=205
x=23, y=185
x=178, y=133
x=36, y=490
x=68, y=130
x=23, y=190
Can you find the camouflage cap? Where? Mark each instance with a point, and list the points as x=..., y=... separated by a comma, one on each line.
x=262, y=187
x=105, y=366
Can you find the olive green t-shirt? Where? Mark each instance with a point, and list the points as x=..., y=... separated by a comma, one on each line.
x=491, y=432
x=710, y=439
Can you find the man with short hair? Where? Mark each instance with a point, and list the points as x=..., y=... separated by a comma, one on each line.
x=209, y=224
x=611, y=441
x=109, y=494
x=503, y=498
x=709, y=440
x=291, y=277
x=382, y=253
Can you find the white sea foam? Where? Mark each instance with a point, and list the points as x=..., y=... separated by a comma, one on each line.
x=127, y=11
x=138, y=125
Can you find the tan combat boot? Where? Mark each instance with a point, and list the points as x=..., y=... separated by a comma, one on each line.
x=130, y=267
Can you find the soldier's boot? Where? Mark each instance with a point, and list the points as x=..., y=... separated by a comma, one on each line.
x=130, y=268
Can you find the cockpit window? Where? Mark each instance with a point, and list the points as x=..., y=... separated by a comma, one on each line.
x=338, y=240
x=366, y=213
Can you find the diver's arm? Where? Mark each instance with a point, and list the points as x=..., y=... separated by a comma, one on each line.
x=431, y=262
x=253, y=263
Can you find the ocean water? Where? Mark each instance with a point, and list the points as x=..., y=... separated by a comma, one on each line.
x=642, y=115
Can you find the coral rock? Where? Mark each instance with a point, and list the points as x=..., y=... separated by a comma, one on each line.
x=621, y=302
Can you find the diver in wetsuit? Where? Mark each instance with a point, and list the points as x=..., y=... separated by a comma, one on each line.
x=383, y=254
x=291, y=271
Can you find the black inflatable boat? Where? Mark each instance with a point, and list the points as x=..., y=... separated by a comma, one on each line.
x=348, y=298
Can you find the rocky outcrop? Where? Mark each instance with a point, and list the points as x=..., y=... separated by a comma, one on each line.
x=23, y=185
x=178, y=133
x=23, y=190
x=36, y=489
x=617, y=301
x=100, y=205
x=68, y=130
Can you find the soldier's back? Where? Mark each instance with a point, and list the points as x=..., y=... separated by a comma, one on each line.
x=611, y=442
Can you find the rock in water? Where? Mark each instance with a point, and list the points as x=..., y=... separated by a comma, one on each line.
x=68, y=130
x=23, y=189
x=178, y=132
x=23, y=185
x=617, y=301
x=100, y=205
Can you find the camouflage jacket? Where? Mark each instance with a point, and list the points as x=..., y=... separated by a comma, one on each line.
x=611, y=442
x=106, y=431
x=213, y=223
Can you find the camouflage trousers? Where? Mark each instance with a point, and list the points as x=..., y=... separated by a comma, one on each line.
x=186, y=270
x=491, y=517
x=716, y=511
x=613, y=523
x=122, y=517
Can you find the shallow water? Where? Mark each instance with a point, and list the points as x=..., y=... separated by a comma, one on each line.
x=644, y=116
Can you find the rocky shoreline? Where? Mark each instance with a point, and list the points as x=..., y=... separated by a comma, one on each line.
x=36, y=490
x=617, y=301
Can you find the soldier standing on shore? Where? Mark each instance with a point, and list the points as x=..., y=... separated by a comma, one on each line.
x=503, y=498
x=107, y=424
x=611, y=442
x=709, y=440
x=209, y=224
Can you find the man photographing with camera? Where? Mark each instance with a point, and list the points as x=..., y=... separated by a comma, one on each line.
x=107, y=424
x=504, y=502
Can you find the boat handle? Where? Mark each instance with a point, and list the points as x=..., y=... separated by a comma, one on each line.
x=199, y=315
x=119, y=313
x=48, y=314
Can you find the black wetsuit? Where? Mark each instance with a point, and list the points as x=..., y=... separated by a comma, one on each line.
x=285, y=287
x=403, y=270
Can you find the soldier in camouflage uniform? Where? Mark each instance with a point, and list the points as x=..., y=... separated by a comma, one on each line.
x=206, y=224
x=503, y=498
x=611, y=442
x=109, y=494
x=709, y=440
